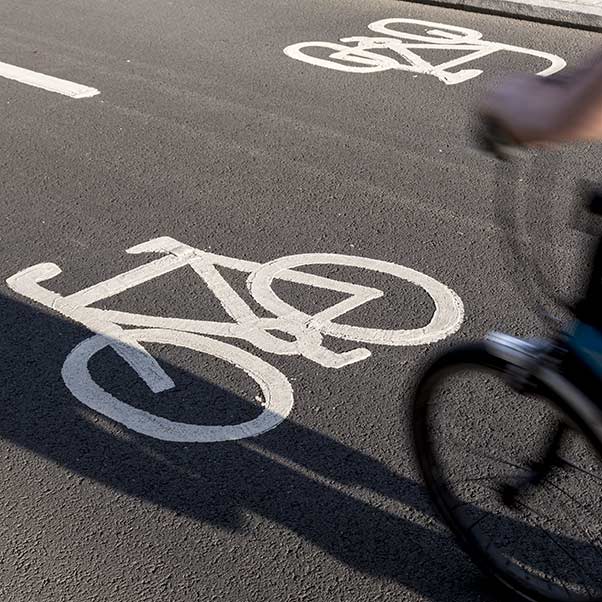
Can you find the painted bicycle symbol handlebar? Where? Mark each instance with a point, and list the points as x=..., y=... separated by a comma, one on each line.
x=362, y=55
x=126, y=332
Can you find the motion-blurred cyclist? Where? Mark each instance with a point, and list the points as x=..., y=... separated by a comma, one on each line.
x=565, y=107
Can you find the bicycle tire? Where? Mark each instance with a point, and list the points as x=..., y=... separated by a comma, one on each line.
x=491, y=561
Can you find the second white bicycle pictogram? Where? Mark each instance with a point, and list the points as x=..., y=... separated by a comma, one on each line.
x=127, y=332
x=369, y=54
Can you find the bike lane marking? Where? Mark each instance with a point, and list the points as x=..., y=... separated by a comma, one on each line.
x=365, y=58
x=307, y=331
x=46, y=82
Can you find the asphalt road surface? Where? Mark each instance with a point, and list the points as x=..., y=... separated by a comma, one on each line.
x=206, y=132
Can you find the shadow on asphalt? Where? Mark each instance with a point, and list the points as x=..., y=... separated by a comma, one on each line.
x=292, y=476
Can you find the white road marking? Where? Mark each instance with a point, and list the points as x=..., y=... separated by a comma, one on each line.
x=46, y=82
x=276, y=389
x=306, y=331
x=364, y=57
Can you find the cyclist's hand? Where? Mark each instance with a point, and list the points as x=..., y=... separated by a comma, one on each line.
x=537, y=111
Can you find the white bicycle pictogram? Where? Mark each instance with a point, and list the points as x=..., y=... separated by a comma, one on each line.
x=126, y=332
x=361, y=55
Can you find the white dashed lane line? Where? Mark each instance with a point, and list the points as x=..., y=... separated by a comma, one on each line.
x=46, y=82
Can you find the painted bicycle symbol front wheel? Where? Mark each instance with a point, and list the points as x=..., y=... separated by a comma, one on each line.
x=276, y=389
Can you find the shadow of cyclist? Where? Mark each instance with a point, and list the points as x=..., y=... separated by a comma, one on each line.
x=345, y=502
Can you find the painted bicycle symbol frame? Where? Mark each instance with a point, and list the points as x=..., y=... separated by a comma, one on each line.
x=361, y=55
x=126, y=332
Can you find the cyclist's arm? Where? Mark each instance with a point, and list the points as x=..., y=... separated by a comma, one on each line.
x=566, y=107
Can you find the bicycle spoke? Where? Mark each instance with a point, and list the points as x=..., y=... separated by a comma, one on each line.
x=544, y=540
x=567, y=494
x=573, y=521
x=491, y=539
x=579, y=469
x=562, y=584
x=570, y=496
x=490, y=457
x=550, y=537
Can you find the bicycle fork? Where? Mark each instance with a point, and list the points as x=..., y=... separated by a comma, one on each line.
x=524, y=358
